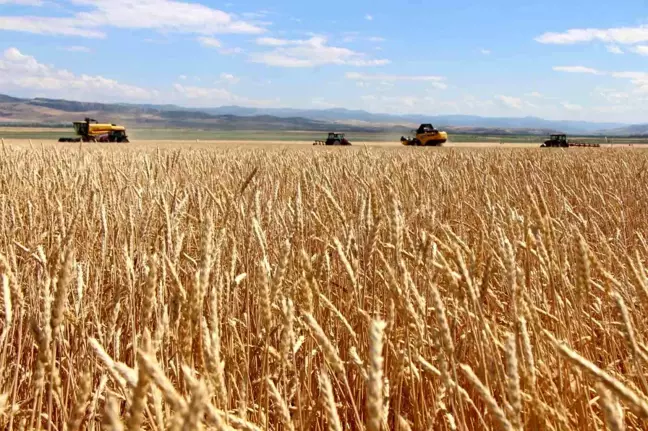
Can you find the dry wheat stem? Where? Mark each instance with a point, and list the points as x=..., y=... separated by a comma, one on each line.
x=240, y=287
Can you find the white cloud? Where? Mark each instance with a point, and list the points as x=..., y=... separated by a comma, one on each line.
x=613, y=96
x=228, y=51
x=229, y=78
x=352, y=36
x=571, y=106
x=622, y=35
x=20, y=71
x=310, y=53
x=363, y=78
x=192, y=92
x=576, y=69
x=255, y=15
x=540, y=96
x=639, y=79
x=384, y=77
x=485, y=51
x=614, y=49
x=209, y=42
x=206, y=96
x=163, y=15
x=77, y=48
x=271, y=41
x=512, y=102
x=49, y=26
x=23, y=2
x=369, y=17
x=631, y=75
x=640, y=49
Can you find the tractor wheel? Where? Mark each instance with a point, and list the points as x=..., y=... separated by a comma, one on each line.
x=336, y=142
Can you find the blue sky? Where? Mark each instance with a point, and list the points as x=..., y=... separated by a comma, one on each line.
x=554, y=59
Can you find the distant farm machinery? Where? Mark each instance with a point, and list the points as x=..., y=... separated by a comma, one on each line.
x=559, y=140
x=91, y=131
x=426, y=136
x=334, y=139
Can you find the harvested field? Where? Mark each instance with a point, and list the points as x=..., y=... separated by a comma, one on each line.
x=159, y=286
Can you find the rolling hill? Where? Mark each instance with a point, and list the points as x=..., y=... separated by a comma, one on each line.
x=55, y=112
x=636, y=130
x=58, y=112
x=445, y=121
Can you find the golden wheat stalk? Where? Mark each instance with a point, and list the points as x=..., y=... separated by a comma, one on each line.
x=375, y=381
x=638, y=405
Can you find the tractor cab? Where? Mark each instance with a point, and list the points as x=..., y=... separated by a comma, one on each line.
x=337, y=139
x=559, y=138
x=117, y=136
x=556, y=140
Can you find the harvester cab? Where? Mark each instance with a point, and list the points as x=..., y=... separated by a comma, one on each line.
x=82, y=128
x=426, y=135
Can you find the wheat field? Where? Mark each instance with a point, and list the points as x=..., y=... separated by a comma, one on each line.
x=323, y=289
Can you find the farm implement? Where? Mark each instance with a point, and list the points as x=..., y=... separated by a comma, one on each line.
x=561, y=141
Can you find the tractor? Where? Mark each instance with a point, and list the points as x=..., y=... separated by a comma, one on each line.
x=556, y=140
x=426, y=136
x=334, y=139
x=559, y=140
x=91, y=131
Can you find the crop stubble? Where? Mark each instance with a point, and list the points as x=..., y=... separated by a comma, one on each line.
x=303, y=288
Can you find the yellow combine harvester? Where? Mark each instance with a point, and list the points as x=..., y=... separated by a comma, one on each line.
x=426, y=135
x=92, y=131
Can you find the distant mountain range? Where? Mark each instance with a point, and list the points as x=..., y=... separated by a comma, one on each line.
x=51, y=112
x=445, y=121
